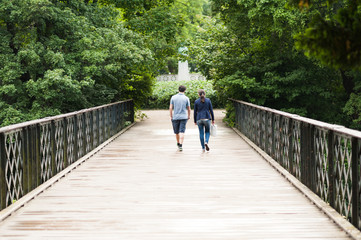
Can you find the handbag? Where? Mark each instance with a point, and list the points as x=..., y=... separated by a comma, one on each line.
x=213, y=130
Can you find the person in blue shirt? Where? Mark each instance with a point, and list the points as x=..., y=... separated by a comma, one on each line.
x=203, y=115
x=180, y=113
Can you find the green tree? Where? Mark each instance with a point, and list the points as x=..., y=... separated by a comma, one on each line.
x=61, y=56
x=332, y=37
x=250, y=55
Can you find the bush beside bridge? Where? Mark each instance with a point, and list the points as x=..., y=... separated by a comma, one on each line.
x=163, y=91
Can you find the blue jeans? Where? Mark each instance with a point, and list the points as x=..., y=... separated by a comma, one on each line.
x=204, y=126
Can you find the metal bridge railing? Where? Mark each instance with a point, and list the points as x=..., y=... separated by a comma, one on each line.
x=324, y=157
x=33, y=152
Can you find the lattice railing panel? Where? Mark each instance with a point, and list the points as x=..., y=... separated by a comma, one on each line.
x=107, y=122
x=277, y=138
x=322, y=169
x=59, y=143
x=88, y=132
x=343, y=174
x=45, y=152
x=263, y=130
x=101, y=126
x=95, y=128
x=13, y=166
x=70, y=129
x=285, y=143
x=269, y=133
x=80, y=135
x=257, y=127
x=296, y=149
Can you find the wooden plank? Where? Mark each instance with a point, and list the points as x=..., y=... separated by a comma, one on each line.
x=141, y=187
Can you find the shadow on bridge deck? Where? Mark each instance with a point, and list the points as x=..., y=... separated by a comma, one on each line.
x=140, y=187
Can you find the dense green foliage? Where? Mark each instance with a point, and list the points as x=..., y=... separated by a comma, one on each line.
x=163, y=91
x=250, y=53
x=298, y=56
x=61, y=56
x=334, y=32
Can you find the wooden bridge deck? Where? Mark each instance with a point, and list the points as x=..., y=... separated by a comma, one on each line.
x=140, y=187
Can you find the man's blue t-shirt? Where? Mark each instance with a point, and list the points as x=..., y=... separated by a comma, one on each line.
x=180, y=103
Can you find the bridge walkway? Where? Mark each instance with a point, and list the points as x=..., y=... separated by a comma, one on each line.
x=140, y=187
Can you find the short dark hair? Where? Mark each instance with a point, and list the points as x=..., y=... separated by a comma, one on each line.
x=182, y=88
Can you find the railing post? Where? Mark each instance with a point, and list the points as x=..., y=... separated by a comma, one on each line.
x=355, y=182
x=103, y=125
x=26, y=160
x=240, y=116
x=273, y=147
x=37, y=166
x=331, y=173
x=84, y=140
x=119, y=117
x=114, y=117
x=75, y=149
x=2, y=172
x=97, y=128
x=290, y=147
x=308, y=166
x=53, y=149
x=313, y=165
x=131, y=111
x=235, y=114
x=65, y=134
x=91, y=134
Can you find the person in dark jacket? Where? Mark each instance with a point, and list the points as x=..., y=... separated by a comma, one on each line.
x=203, y=115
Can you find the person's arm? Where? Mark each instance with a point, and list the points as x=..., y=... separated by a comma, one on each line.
x=189, y=108
x=171, y=111
x=195, y=110
x=211, y=110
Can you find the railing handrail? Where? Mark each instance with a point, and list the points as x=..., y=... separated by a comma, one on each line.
x=48, y=119
x=334, y=127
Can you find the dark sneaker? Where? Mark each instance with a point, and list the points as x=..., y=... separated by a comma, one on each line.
x=206, y=145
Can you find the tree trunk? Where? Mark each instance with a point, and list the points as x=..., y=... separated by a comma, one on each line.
x=348, y=82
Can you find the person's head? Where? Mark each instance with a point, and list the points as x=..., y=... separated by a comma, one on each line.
x=182, y=88
x=202, y=94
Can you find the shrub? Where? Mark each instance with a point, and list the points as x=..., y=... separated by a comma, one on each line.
x=163, y=91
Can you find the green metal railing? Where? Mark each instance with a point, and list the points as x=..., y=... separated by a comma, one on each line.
x=324, y=157
x=33, y=152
